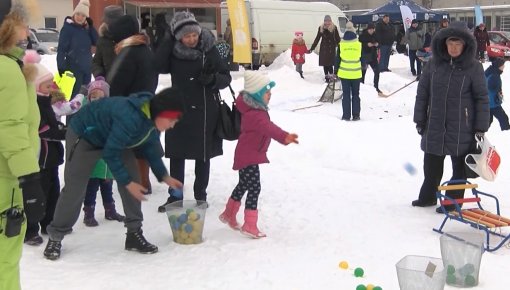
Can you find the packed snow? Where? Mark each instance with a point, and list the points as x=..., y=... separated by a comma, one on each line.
x=342, y=194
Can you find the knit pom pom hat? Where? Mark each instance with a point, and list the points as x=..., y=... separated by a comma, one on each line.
x=184, y=22
x=83, y=7
x=99, y=84
x=256, y=84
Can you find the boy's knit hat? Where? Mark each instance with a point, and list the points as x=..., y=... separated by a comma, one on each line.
x=83, y=7
x=257, y=84
x=112, y=13
x=167, y=104
x=99, y=84
x=184, y=22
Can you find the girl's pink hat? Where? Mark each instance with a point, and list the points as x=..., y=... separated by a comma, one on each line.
x=297, y=33
x=99, y=84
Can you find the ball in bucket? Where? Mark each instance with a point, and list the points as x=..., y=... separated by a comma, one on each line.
x=186, y=218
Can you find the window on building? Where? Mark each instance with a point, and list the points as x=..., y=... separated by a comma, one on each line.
x=487, y=20
x=50, y=22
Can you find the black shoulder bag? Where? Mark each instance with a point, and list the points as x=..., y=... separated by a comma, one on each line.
x=229, y=119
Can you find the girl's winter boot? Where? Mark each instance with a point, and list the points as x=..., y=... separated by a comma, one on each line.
x=89, y=219
x=111, y=214
x=229, y=215
x=250, y=224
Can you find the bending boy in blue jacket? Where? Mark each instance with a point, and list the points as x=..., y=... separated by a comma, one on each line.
x=110, y=129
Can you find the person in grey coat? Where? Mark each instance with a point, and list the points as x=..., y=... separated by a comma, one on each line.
x=414, y=38
x=452, y=106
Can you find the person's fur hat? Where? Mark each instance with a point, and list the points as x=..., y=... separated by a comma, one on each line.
x=99, y=83
x=123, y=28
x=327, y=18
x=14, y=13
x=256, y=84
x=182, y=23
x=83, y=7
x=167, y=104
x=112, y=13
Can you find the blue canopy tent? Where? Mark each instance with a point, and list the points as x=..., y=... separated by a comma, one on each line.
x=392, y=8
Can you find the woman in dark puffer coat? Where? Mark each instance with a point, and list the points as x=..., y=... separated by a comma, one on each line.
x=189, y=54
x=452, y=105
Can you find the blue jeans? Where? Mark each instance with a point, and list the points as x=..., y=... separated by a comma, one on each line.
x=93, y=186
x=350, y=90
x=385, y=57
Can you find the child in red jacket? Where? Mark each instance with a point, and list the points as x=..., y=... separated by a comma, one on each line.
x=298, y=52
x=257, y=130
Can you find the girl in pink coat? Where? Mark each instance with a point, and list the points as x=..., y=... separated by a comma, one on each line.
x=257, y=130
x=298, y=52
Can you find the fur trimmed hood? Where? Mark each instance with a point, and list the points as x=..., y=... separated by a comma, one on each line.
x=298, y=41
x=205, y=43
x=440, y=52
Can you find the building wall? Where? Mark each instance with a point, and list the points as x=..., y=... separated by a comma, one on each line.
x=52, y=8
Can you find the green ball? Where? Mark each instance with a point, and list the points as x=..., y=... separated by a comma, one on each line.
x=361, y=287
x=358, y=272
x=189, y=210
x=450, y=270
x=470, y=281
x=451, y=279
x=377, y=288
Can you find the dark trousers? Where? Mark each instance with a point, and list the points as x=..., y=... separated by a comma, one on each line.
x=385, y=51
x=50, y=184
x=502, y=117
x=328, y=70
x=81, y=157
x=202, y=169
x=93, y=186
x=433, y=173
x=81, y=79
x=413, y=59
x=375, y=68
x=249, y=180
x=350, y=90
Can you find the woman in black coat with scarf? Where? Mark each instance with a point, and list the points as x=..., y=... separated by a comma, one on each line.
x=197, y=70
x=452, y=105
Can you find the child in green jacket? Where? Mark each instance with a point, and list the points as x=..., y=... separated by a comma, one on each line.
x=101, y=177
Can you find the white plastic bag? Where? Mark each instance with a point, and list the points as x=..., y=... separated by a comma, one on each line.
x=485, y=164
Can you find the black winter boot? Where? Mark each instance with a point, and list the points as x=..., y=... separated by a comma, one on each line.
x=89, y=220
x=162, y=208
x=135, y=241
x=111, y=214
x=52, y=250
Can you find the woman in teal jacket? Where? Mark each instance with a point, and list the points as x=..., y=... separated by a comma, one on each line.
x=19, y=144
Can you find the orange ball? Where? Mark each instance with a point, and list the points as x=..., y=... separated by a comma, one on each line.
x=343, y=265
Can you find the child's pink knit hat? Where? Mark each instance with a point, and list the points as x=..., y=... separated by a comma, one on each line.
x=297, y=33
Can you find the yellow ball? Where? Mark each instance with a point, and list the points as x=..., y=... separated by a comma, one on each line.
x=188, y=241
x=179, y=240
x=192, y=216
x=194, y=234
x=370, y=287
x=343, y=265
x=197, y=240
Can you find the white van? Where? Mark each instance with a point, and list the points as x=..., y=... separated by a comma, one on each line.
x=273, y=23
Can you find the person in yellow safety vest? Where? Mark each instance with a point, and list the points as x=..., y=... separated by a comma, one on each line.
x=350, y=72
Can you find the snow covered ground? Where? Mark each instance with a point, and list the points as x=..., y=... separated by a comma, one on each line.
x=342, y=194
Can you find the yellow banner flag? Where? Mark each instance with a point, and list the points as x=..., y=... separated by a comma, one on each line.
x=240, y=31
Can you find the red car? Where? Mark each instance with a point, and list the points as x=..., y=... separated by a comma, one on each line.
x=500, y=44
